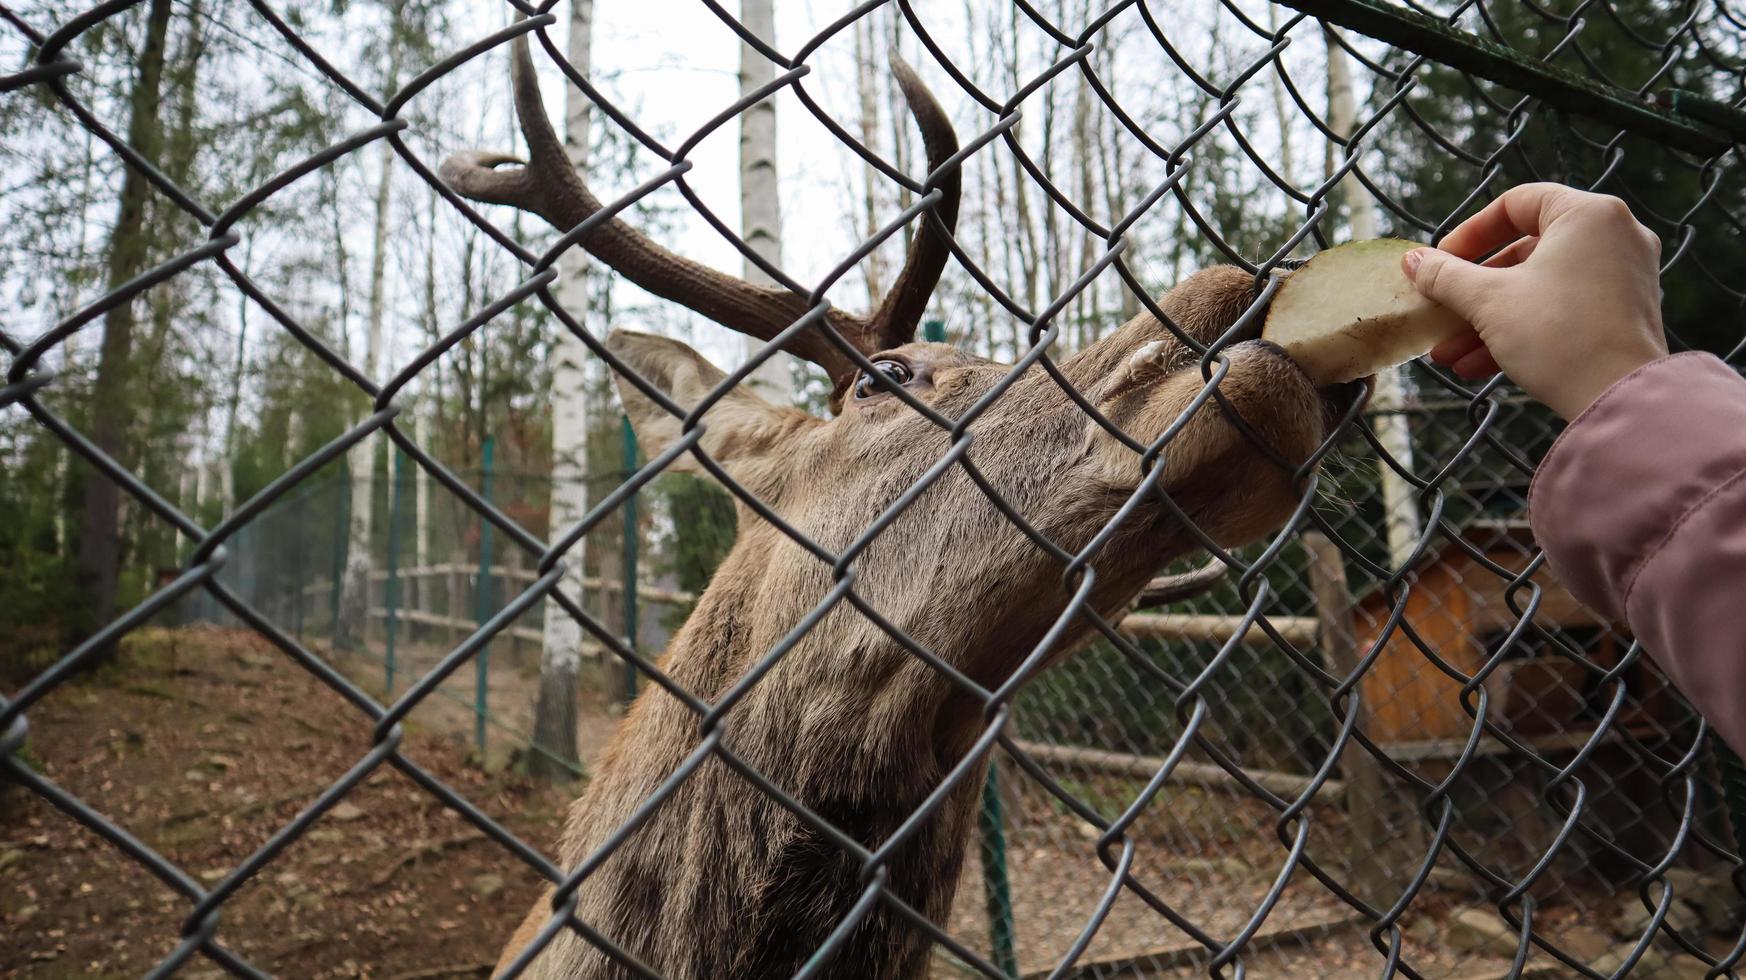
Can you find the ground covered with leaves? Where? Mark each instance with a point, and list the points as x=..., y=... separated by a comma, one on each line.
x=204, y=742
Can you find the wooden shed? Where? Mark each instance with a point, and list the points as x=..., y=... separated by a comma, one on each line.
x=1457, y=607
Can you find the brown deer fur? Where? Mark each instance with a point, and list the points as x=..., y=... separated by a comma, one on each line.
x=722, y=881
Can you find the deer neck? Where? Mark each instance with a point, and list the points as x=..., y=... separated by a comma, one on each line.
x=845, y=725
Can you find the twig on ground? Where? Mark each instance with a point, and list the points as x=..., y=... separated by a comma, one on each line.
x=456, y=970
x=412, y=854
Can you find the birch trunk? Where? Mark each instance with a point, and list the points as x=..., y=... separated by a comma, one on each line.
x=1085, y=305
x=1393, y=392
x=188, y=488
x=361, y=460
x=561, y=646
x=430, y=397
x=233, y=399
x=1281, y=115
x=420, y=495
x=203, y=475
x=1115, y=188
x=866, y=85
x=760, y=207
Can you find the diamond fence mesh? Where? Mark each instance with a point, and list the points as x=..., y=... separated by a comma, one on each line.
x=1387, y=743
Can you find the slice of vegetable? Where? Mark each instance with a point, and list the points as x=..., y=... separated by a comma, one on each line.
x=1350, y=312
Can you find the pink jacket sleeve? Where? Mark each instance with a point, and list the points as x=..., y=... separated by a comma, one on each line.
x=1641, y=508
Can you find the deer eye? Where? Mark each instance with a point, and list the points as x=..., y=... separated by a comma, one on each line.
x=897, y=371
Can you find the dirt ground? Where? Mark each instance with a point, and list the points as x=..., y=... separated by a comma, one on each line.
x=202, y=743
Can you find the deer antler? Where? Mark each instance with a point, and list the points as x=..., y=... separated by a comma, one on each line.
x=1166, y=589
x=546, y=185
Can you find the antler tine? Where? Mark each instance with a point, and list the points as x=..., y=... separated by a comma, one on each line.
x=548, y=186
x=1166, y=589
x=894, y=322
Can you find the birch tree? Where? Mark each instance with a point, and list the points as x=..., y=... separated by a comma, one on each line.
x=1400, y=509
x=760, y=206
x=561, y=649
x=866, y=90
x=361, y=460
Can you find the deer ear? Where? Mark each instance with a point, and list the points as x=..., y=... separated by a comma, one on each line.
x=741, y=430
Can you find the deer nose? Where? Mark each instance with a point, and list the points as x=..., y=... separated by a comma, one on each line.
x=1338, y=401
x=1341, y=399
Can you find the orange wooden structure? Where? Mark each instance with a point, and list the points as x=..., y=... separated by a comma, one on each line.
x=1457, y=607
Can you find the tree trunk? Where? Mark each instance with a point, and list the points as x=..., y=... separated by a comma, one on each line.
x=1085, y=305
x=898, y=116
x=1115, y=190
x=760, y=207
x=361, y=460
x=203, y=475
x=561, y=649
x=431, y=397
x=1281, y=115
x=111, y=403
x=1400, y=509
x=866, y=86
x=233, y=405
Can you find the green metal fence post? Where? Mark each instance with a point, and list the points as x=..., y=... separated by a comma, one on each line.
x=996, y=887
x=482, y=604
x=341, y=522
x=630, y=559
x=391, y=589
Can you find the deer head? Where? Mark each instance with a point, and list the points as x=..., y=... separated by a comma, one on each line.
x=723, y=880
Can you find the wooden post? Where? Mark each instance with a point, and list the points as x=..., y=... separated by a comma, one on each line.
x=457, y=605
x=512, y=584
x=1369, y=836
x=412, y=599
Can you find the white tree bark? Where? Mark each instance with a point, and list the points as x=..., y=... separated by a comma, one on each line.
x=561, y=650
x=361, y=460
x=60, y=512
x=1393, y=388
x=204, y=470
x=866, y=86
x=1281, y=115
x=421, y=495
x=193, y=453
x=233, y=395
x=760, y=207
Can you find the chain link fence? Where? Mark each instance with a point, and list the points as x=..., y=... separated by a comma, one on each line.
x=1388, y=743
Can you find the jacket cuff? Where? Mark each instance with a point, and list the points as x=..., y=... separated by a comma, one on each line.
x=1619, y=478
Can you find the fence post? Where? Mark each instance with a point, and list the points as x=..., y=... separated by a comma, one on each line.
x=391, y=588
x=341, y=520
x=482, y=604
x=1369, y=846
x=991, y=820
x=995, y=886
x=629, y=585
x=453, y=599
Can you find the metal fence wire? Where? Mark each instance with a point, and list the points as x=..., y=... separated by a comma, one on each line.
x=1450, y=739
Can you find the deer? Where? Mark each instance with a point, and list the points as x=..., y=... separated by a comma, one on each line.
x=722, y=879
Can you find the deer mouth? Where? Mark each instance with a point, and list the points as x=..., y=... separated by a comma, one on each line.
x=1338, y=400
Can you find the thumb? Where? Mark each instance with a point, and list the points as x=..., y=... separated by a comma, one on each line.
x=1451, y=281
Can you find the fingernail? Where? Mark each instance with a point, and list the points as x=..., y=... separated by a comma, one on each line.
x=1411, y=262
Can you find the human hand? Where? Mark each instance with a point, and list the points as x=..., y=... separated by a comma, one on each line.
x=1572, y=305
